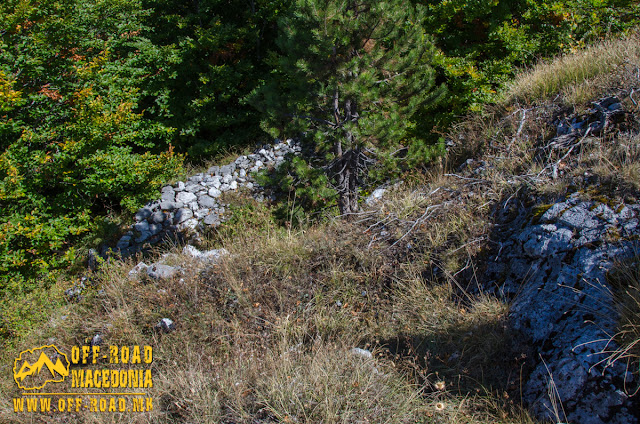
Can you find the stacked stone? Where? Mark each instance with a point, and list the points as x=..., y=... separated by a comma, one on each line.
x=188, y=206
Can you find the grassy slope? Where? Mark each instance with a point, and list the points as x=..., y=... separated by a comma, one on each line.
x=265, y=336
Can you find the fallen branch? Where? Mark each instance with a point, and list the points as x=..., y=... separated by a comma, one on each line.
x=430, y=211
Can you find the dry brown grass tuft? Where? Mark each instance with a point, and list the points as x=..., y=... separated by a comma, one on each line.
x=581, y=76
x=625, y=279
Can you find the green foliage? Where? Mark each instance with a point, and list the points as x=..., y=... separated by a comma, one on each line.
x=74, y=141
x=306, y=187
x=350, y=75
x=484, y=43
x=217, y=57
x=245, y=217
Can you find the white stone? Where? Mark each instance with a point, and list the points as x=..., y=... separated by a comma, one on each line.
x=186, y=197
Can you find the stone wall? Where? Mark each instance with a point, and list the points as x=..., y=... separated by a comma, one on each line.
x=192, y=205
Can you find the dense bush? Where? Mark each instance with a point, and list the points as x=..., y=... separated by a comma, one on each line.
x=483, y=43
x=74, y=141
x=218, y=50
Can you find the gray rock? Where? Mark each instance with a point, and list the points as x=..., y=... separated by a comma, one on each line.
x=363, y=353
x=615, y=106
x=143, y=214
x=217, y=182
x=214, y=170
x=162, y=272
x=182, y=215
x=166, y=325
x=155, y=229
x=201, y=213
x=186, y=197
x=137, y=271
x=168, y=206
x=96, y=340
x=233, y=185
x=227, y=169
x=212, y=219
x=168, y=196
x=179, y=187
x=192, y=188
x=213, y=255
x=189, y=224
x=214, y=192
x=144, y=235
x=124, y=242
x=206, y=201
x=546, y=240
x=93, y=259
x=158, y=217
x=141, y=226
x=375, y=196
x=227, y=179
x=224, y=187
x=563, y=306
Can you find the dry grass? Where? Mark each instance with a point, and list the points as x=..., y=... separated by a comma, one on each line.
x=266, y=335
x=581, y=76
x=625, y=279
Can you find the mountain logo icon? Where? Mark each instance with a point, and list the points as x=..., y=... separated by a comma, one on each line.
x=34, y=368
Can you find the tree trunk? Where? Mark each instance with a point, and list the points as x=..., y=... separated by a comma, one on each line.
x=347, y=183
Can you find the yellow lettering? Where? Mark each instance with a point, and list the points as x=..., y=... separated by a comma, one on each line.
x=115, y=381
x=75, y=354
x=96, y=379
x=135, y=356
x=124, y=354
x=105, y=379
x=77, y=378
x=18, y=405
x=112, y=405
x=45, y=405
x=32, y=404
x=88, y=381
x=113, y=354
x=148, y=354
x=133, y=378
x=96, y=354
x=85, y=354
x=148, y=382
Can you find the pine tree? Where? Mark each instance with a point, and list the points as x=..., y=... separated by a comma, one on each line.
x=349, y=74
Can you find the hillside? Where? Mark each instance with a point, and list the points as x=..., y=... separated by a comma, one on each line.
x=502, y=286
